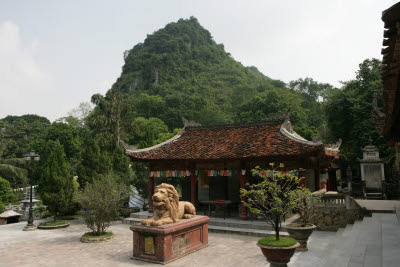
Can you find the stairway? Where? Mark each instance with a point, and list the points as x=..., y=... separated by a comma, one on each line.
x=372, y=242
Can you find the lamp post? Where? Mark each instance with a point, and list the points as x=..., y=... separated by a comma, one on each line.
x=31, y=158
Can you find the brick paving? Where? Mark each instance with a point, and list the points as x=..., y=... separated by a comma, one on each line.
x=62, y=247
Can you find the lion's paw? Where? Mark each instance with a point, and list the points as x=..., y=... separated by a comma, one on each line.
x=156, y=223
x=146, y=221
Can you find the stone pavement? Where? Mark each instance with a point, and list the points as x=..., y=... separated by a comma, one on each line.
x=62, y=247
x=374, y=242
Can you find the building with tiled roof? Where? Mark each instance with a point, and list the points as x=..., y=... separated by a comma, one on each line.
x=391, y=73
x=232, y=150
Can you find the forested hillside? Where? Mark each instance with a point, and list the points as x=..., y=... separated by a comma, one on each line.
x=181, y=71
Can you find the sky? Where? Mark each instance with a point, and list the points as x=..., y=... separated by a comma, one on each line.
x=57, y=54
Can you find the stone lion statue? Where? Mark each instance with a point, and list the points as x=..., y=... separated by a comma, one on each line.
x=168, y=208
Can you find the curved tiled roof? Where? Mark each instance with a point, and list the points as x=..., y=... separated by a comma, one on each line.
x=231, y=142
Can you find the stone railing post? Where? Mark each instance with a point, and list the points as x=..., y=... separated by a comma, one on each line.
x=346, y=193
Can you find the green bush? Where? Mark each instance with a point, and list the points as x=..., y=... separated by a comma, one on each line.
x=2, y=207
x=101, y=201
x=6, y=195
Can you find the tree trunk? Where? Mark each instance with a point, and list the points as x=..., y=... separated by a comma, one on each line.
x=277, y=229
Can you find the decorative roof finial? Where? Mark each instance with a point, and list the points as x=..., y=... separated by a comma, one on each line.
x=187, y=123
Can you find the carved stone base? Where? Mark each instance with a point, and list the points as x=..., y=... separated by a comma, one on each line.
x=29, y=228
x=163, y=244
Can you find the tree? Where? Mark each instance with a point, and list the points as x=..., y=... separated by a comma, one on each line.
x=12, y=169
x=147, y=132
x=348, y=112
x=93, y=163
x=56, y=187
x=274, y=197
x=68, y=137
x=101, y=201
x=76, y=117
x=20, y=131
x=6, y=195
x=312, y=89
x=105, y=120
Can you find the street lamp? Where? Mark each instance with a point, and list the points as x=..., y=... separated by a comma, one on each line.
x=31, y=158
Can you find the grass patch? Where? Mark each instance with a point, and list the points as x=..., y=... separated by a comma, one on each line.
x=91, y=235
x=272, y=242
x=69, y=217
x=53, y=223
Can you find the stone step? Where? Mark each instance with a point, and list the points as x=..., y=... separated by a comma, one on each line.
x=243, y=231
x=141, y=215
x=131, y=221
x=239, y=224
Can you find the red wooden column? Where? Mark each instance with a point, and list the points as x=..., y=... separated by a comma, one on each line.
x=193, y=183
x=151, y=192
x=302, y=174
x=243, y=209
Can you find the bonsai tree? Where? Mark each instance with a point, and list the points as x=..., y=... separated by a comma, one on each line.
x=305, y=205
x=274, y=197
x=101, y=201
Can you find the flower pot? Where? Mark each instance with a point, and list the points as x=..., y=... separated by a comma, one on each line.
x=278, y=256
x=301, y=234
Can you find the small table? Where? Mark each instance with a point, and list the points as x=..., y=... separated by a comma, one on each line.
x=224, y=204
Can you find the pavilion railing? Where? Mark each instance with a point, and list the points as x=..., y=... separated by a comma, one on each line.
x=336, y=200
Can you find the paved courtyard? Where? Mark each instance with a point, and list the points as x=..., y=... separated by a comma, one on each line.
x=373, y=242
x=62, y=247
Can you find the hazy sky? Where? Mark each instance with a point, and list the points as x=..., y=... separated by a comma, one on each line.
x=56, y=54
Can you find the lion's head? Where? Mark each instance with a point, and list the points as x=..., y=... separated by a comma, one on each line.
x=166, y=197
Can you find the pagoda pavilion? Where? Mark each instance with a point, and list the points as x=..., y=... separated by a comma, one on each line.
x=218, y=159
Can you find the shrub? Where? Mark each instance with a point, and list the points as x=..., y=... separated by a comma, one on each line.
x=101, y=201
x=6, y=195
x=274, y=197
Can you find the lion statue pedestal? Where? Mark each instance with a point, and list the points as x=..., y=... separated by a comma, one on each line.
x=174, y=230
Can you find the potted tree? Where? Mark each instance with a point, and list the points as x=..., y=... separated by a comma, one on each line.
x=305, y=205
x=272, y=199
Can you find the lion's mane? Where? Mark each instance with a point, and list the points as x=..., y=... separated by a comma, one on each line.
x=172, y=201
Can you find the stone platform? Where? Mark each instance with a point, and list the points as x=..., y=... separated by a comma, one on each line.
x=163, y=244
x=379, y=206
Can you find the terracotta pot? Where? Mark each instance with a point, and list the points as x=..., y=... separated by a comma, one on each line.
x=301, y=234
x=278, y=256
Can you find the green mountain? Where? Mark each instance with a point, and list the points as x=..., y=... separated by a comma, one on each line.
x=181, y=71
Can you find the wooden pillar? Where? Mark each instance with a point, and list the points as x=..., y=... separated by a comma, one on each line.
x=151, y=192
x=243, y=209
x=302, y=175
x=193, y=183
